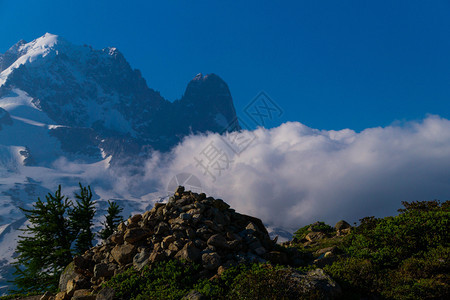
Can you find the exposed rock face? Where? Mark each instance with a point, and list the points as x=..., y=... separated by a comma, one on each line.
x=342, y=228
x=123, y=254
x=106, y=294
x=314, y=281
x=67, y=275
x=342, y=225
x=5, y=118
x=315, y=236
x=211, y=96
x=10, y=56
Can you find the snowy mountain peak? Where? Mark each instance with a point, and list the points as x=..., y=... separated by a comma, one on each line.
x=112, y=51
x=48, y=40
x=24, y=53
x=199, y=76
x=38, y=46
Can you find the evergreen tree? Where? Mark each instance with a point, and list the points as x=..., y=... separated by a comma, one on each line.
x=113, y=219
x=44, y=249
x=81, y=219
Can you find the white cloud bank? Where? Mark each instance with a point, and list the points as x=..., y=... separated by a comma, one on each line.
x=293, y=175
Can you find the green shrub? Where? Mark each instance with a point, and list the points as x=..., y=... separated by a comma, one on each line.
x=264, y=281
x=389, y=241
x=317, y=226
x=355, y=274
x=173, y=280
x=423, y=276
x=401, y=257
x=166, y=280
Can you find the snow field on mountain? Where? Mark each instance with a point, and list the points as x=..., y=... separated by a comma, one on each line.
x=34, y=50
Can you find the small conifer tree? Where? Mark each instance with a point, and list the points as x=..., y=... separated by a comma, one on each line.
x=81, y=219
x=113, y=219
x=44, y=250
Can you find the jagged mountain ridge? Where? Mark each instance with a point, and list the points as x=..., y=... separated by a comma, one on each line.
x=96, y=94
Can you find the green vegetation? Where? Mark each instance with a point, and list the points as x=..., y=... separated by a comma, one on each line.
x=44, y=250
x=166, y=280
x=58, y=230
x=81, y=219
x=318, y=226
x=401, y=257
x=264, y=281
x=174, y=279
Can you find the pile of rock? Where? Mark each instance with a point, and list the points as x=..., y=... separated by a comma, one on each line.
x=190, y=227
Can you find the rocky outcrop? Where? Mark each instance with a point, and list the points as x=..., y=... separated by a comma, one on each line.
x=212, y=99
x=314, y=282
x=342, y=228
x=189, y=227
x=5, y=118
x=11, y=55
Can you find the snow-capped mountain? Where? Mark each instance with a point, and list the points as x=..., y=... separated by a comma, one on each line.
x=69, y=110
x=97, y=96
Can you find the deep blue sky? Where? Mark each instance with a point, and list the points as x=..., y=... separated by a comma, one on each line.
x=328, y=64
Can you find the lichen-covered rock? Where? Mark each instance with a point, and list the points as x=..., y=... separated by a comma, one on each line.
x=141, y=259
x=134, y=235
x=211, y=261
x=62, y=296
x=135, y=219
x=83, y=294
x=189, y=253
x=123, y=254
x=106, y=293
x=342, y=225
x=117, y=238
x=331, y=249
x=194, y=295
x=68, y=274
x=219, y=241
x=315, y=236
x=103, y=270
x=318, y=280
x=315, y=284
